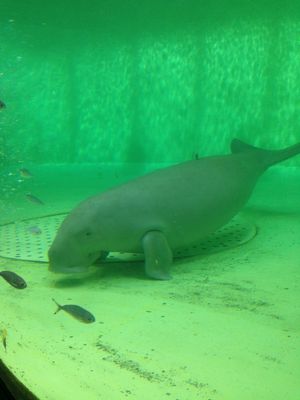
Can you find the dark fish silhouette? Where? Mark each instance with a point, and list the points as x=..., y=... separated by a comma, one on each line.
x=2, y=104
x=33, y=199
x=34, y=230
x=77, y=312
x=13, y=279
x=25, y=173
x=3, y=335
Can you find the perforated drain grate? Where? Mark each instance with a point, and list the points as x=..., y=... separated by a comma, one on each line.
x=22, y=240
x=30, y=239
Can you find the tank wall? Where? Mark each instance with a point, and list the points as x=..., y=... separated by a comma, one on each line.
x=139, y=93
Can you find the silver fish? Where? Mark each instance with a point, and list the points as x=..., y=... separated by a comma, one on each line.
x=25, y=173
x=13, y=279
x=77, y=312
x=33, y=199
x=34, y=230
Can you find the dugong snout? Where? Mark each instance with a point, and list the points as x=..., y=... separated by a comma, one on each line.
x=75, y=247
x=72, y=261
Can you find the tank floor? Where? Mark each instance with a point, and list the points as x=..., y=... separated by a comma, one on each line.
x=226, y=327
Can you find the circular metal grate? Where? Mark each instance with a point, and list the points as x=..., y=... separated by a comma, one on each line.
x=30, y=239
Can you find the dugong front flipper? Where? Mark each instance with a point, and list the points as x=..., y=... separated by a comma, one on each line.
x=158, y=255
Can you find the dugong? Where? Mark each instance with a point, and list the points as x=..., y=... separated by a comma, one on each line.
x=161, y=211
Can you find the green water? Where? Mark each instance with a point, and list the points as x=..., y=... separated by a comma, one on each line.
x=145, y=83
x=100, y=92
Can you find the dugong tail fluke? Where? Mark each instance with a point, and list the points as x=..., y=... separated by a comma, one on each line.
x=267, y=157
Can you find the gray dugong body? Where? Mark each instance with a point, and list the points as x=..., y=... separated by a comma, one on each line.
x=162, y=211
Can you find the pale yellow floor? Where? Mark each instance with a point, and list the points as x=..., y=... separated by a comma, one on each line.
x=226, y=327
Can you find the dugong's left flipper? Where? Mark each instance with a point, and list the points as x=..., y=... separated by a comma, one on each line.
x=158, y=255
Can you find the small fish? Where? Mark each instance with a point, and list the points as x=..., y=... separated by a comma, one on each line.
x=34, y=230
x=3, y=334
x=13, y=279
x=25, y=173
x=33, y=199
x=77, y=312
x=2, y=105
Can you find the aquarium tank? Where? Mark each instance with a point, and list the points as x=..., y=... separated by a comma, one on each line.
x=149, y=199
